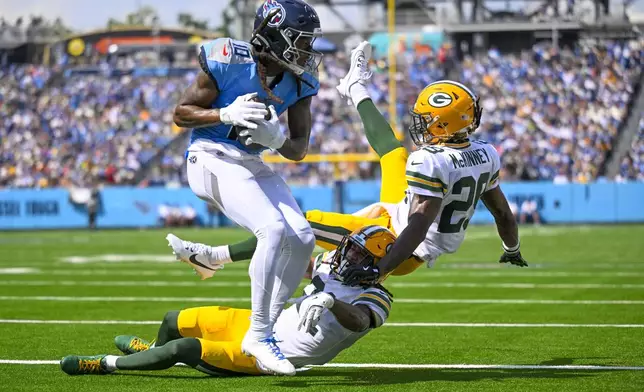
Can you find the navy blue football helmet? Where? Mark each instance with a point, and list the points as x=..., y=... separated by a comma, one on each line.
x=286, y=30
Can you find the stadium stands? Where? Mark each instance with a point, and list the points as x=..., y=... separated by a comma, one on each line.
x=552, y=114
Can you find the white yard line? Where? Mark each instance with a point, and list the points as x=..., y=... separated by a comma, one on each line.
x=78, y=322
x=401, y=285
x=124, y=299
x=409, y=325
x=526, y=272
x=425, y=273
x=18, y=271
x=555, y=286
x=445, y=265
x=502, y=301
x=401, y=366
x=480, y=367
x=27, y=362
x=112, y=272
x=127, y=283
x=510, y=325
x=506, y=301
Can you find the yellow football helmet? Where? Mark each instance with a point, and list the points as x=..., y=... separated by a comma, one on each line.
x=364, y=247
x=444, y=111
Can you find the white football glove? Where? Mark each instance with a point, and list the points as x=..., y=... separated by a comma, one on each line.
x=266, y=132
x=311, y=309
x=242, y=112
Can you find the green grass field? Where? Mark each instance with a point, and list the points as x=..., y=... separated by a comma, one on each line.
x=581, y=302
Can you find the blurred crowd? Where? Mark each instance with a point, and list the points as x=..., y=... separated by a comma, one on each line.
x=80, y=130
x=553, y=115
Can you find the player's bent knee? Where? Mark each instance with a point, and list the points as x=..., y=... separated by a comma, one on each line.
x=273, y=233
x=171, y=319
x=186, y=350
x=306, y=240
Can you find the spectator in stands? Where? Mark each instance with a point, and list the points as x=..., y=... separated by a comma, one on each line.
x=169, y=215
x=188, y=215
x=529, y=210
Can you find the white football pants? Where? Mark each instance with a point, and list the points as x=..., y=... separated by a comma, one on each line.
x=249, y=193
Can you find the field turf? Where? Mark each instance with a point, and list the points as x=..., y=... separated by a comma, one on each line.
x=580, y=303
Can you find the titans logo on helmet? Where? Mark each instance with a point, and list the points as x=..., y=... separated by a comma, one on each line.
x=279, y=17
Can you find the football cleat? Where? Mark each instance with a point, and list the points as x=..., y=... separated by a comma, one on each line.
x=129, y=344
x=194, y=254
x=358, y=71
x=270, y=359
x=76, y=365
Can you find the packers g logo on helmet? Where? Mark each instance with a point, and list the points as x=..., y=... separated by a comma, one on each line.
x=364, y=247
x=445, y=111
x=439, y=100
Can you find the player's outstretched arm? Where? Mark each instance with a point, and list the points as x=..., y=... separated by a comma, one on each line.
x=506, y=225
x=355, y=318
x=422, y=212
x=299, y=125
x=193, y=109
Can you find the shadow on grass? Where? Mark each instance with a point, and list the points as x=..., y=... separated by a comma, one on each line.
x=364, y=377
x=161, y=375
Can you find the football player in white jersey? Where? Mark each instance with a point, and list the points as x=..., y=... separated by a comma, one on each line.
x=329, y=318
x=427, y=198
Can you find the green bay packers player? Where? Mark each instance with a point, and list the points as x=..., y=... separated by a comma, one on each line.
x=329, y=318
x=427, y=198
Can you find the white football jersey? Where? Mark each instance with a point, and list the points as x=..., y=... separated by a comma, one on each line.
x=321, y=345
x=457, y=174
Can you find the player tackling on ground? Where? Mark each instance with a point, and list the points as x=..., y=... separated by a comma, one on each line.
x=226, y=107
x=331, y=317
x=427, y=198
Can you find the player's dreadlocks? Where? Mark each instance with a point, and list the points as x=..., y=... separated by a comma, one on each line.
x=261, y=70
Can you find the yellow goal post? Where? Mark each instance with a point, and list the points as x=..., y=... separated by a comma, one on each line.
x=324, y=158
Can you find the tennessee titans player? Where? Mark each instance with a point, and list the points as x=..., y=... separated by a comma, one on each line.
x=239, y=84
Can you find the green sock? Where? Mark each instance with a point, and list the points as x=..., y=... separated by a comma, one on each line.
x=379, y=133
x=186, y=350
x=243, y=250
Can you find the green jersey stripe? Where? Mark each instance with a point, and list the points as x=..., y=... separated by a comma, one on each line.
x=426, y=187
x=424, y=177
x=379, y=294
x=330, y=229
x=321, y=237
x=371, y=301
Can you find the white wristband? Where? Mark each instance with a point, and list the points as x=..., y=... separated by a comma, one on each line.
x=511, y=249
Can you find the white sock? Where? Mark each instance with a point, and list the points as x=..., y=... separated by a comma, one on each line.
x=358, y=93
x=220, y=254
x=110, y=362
